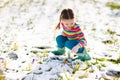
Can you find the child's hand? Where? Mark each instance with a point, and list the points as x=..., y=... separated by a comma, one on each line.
x=75, y=49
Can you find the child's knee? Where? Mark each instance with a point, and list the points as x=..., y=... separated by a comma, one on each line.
x=58, y=37
x=69, y=44
x=61, y=38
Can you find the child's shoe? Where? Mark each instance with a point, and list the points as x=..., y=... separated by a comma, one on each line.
x=83, y=56
x=60, y=51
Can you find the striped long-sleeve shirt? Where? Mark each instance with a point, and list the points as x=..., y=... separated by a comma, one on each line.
x=75, y=34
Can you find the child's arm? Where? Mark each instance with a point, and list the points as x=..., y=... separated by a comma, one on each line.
x=82, y=42
x=75, y=49
x=81, y=36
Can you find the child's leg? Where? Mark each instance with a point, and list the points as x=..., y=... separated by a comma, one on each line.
x=71, y=43
x=82, y=53
x=61, y=41
x=84, y=56
x=60, y=44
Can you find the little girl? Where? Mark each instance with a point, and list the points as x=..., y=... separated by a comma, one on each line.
x=72, y=37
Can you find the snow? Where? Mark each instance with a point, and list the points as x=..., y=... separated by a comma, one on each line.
x=28, y=24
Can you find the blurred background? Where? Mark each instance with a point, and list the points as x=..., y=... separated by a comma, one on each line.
x=25, y=24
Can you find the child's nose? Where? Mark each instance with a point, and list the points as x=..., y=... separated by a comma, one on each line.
x=70, y=25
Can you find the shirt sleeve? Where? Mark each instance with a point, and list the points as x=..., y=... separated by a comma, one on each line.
x=82, y=39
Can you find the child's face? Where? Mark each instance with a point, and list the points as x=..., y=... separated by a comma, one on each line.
x=68, y=23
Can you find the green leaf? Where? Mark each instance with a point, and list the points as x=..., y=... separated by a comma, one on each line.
x=103, y=65
x=76, y=67
x=91, y=71
x=69, y=55
x=113, y=5
x=101, y=59
x=96, y=62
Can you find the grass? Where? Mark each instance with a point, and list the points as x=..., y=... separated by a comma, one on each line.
x=1, y=75
x=115, y=61
x=111, y=32
x=113, y=5
x=76, y=67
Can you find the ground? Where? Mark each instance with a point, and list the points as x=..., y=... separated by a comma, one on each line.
x=27, y=38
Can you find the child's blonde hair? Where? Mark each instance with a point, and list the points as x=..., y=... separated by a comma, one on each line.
x=65, y=14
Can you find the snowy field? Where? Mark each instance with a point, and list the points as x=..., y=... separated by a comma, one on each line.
x=27, y=36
